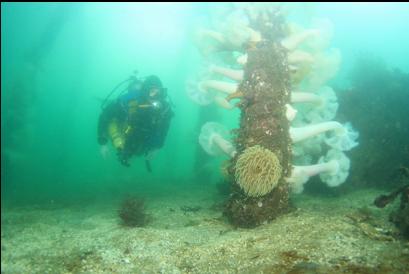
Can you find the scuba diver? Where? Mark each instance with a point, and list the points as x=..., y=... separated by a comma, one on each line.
x=136, y=122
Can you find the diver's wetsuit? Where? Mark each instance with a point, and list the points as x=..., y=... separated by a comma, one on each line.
x=142, y=129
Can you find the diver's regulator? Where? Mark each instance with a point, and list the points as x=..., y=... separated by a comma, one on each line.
x=154, y=104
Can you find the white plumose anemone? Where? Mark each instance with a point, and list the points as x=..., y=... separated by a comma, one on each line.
x=212, y=140
x=333, y=170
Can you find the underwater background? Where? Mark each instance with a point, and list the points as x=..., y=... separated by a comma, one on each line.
x=60, y=60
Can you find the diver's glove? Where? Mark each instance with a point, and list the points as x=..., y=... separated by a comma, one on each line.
x=104, y=150
x=123, y=157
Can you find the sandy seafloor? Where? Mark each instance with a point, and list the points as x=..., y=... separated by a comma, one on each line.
x=345, y=234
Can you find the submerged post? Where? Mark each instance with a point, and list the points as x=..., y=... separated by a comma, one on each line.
x=260, y=192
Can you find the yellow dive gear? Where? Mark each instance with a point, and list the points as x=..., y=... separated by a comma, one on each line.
x=128, y=130
x=114, y=131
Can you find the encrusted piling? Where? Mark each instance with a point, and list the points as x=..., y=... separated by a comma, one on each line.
x=264, y=93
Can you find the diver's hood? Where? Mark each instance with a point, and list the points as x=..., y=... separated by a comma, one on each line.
x=150, y=82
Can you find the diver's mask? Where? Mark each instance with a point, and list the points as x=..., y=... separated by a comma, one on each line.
x=157, y=93
x=155, y=96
